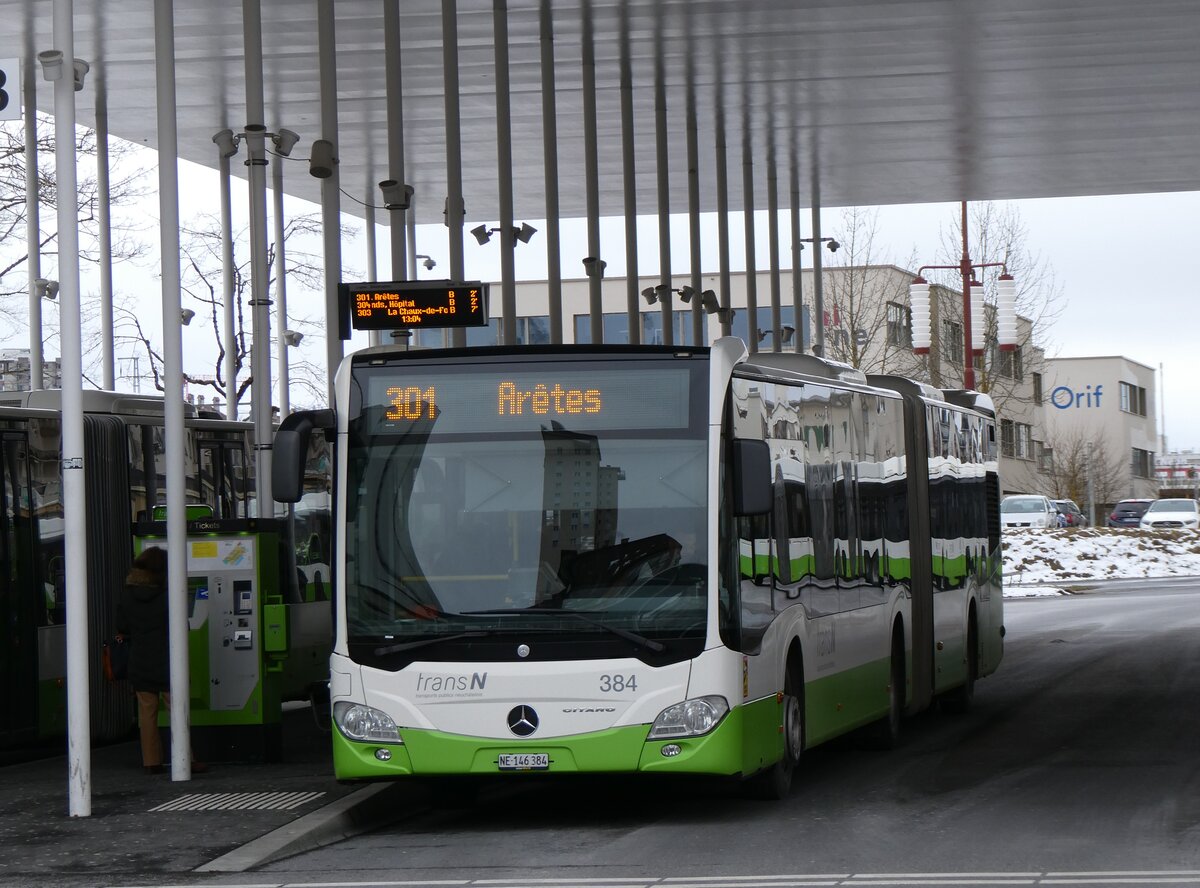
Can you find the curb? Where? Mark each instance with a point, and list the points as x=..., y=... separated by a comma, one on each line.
x=359, y=812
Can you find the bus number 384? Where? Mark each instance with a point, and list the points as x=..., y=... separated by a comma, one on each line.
x=617, y=684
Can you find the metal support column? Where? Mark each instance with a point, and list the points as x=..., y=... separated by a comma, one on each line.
x=79, y=742
x=693, y=161
x=629, y=180
x=818, y=290
x=591, y=164
x=722, y=164
x=175, y=446
x=374, y=337
x=331, y=196
x=394, y=78
x=662, y=162
x=797, y=247
x=104, y=230
x=748, y=220
x=773, y=245
x=455, y=209
x=229, y=297
x=33, y=222
x=504, y=163
x=260, y=352
x=281, y=316
x=550, y=164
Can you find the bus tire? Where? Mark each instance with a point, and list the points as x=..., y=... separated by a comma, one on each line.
x=885, y=733
x=775, y=783
x=959, y=700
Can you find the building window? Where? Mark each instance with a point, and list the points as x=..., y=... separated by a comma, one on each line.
x=1024, y=441
x=899, y=325
x=952, y=341
x=1133, y=399
x=1142, y=465
x=1045, y=457
x=1037, y=388
x=1007, y=438
x=1008, y=363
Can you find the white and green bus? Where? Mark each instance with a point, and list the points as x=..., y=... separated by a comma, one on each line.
x=611, y=559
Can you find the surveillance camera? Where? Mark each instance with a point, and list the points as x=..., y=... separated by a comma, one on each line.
x=321, y=161
x=429, y=264
x=186, y=315
x=285, y=141
x=52, y=64
x=833, y=245
x=81, y=69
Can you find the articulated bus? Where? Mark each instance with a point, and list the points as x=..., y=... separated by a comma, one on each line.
x=643, y=559
x=124, y=447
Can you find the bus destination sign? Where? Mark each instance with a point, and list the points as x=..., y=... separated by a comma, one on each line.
x=400, y=305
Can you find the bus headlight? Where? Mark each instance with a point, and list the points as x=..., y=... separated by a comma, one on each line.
x=363, y=723
x=691, y=718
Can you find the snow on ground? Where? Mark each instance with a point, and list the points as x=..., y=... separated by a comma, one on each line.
x=1048, y=562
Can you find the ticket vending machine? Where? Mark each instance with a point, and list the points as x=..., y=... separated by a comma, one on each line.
x=237, y=636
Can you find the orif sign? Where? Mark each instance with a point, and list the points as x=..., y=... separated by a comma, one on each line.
x=10, y=89
x=1066, y=398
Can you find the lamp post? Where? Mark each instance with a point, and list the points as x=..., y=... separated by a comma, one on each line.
x=973, y=328
x=818, y=291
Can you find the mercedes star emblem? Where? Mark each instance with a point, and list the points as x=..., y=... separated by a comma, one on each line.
x=522, y=721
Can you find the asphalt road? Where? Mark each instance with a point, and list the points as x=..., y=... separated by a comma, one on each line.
x=1076, y=766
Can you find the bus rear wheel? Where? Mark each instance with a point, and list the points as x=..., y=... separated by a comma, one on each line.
x=959, y=700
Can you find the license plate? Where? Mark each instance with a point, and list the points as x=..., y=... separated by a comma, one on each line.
x=523, y=761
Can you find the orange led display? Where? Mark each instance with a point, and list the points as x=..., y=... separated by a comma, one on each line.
x=400, y=305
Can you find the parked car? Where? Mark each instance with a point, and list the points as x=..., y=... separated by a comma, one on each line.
x=1027, y=510
x=1171, y=514
x=1128, y=512
x=1072, y=515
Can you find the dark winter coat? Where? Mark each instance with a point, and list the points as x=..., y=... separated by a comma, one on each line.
x=142, y=618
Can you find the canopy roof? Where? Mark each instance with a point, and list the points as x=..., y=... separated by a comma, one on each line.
x=885, y=101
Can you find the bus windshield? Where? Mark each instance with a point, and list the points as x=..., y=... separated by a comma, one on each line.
x=564, y=498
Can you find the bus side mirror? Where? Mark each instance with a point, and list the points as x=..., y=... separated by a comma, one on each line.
x=751, y=477
x=289, y=452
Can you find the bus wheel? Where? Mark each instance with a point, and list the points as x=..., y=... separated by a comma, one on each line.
x=776, y=782
x=958, y=701
x=885, y=733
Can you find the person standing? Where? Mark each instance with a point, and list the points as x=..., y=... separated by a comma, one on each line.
x=142, y=619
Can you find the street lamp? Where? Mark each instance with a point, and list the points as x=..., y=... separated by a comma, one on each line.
x=973, y=308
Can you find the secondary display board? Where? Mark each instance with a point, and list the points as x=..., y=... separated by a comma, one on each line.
x=407, y=305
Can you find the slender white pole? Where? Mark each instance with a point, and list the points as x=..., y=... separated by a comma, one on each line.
x=104, y=226
x=394, y=77
x=591, y=163
x=818, y=290
x=260, y=354
x=168, y=208
x=629, y=181
x=331, y=197
x=550, y=164
x=33, y=223
x=374, y=337
x=228, y=296
x=797, y=248
x=79, y=723
x=773, y=245
x=748, y=219
x=504, y=164
x=693, y=156
x=722, y=162
x=281, y=312
x=662, y=162
x=455, y=210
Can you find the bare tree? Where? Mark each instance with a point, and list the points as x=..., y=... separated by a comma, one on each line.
x=124, y=188
x=202, y=281
x=1080, y=455
x=866, y=303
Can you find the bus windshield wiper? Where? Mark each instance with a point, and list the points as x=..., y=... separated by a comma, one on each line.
x=429, y=640
x=640, y=640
